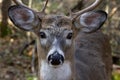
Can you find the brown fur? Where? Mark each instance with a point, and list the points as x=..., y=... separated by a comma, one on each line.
x=94, y=53
x=89, y=54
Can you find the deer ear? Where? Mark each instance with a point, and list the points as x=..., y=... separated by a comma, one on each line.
x=92, y=21
x=23, y=17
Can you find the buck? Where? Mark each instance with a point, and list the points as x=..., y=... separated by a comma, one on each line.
x=68, y=47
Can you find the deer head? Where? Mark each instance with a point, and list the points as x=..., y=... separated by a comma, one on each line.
x=56, y=32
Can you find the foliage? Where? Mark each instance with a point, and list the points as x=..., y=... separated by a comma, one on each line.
x=32, y=78
x=116, y=76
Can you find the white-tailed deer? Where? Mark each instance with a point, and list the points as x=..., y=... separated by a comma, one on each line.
x=69, y=47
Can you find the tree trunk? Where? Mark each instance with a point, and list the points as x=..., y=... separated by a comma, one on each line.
x=4, y=23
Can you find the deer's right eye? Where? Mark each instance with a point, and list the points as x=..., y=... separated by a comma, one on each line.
x=42, y=35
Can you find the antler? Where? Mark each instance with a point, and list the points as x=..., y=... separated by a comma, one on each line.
x=19, y=2
x=73, y=16
x=91, y=7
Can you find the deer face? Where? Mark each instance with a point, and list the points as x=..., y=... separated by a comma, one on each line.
x=56, y=32
x=55, y=37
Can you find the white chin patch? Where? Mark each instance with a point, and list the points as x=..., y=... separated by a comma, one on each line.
x=62, y=72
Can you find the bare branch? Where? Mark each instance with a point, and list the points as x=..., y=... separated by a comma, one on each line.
x=43, y=10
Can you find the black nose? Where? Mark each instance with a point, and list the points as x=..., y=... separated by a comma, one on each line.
x=55, y=59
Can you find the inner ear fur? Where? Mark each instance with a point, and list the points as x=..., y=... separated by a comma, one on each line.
x=23, y=17
x=91, y=21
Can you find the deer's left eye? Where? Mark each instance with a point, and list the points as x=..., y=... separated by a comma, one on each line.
x=69, y=36
x=42, y=35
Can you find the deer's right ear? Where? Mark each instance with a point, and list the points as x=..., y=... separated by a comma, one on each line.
x=23, y=17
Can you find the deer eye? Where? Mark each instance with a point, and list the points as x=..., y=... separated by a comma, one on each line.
x=69, y=36
x=42, y=35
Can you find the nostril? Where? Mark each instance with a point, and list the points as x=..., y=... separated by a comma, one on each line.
x=55, y=59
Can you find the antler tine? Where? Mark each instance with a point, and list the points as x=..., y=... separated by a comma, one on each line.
x=91, y=7
x=19, y=2
x=43, y=10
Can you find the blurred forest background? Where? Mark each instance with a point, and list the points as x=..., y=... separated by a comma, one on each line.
x=16, y=54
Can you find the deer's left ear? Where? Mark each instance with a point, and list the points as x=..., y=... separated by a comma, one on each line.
x=91, y=21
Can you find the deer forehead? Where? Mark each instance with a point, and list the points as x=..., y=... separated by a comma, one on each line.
x=56, y=22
